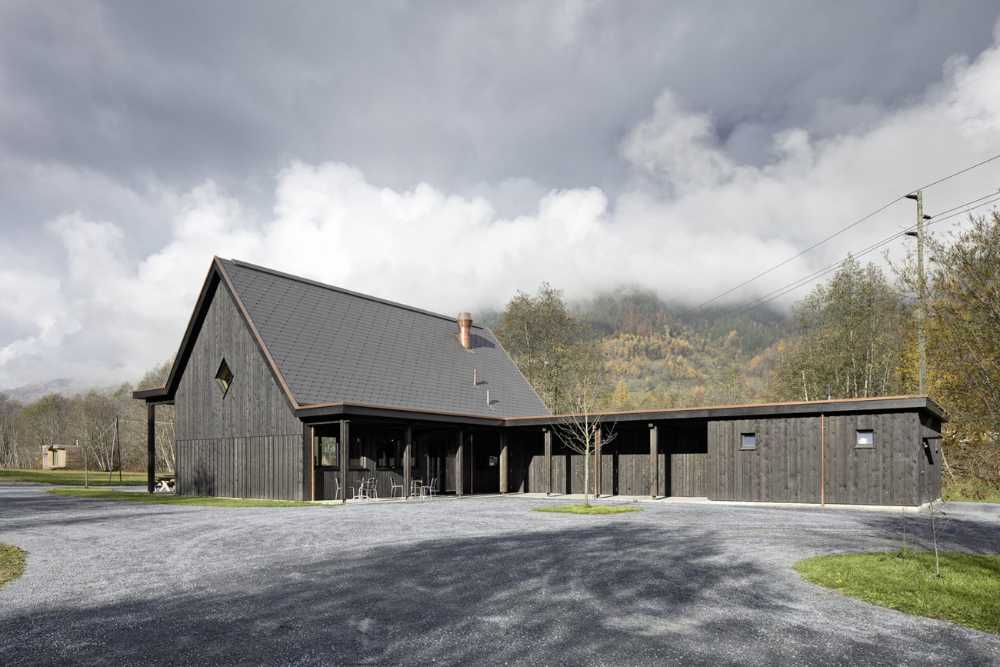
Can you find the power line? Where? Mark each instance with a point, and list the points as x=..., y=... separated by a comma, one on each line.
x=781, y=291
x=852, y=225
x=791, y=287
x=955, y=208
x=958, y=173
x=812, y=247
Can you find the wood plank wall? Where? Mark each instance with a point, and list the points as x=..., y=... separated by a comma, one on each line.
x=247, y=443
x=625, y=462
x=783, y=468
x=786, y=465
x=686, y=443
x=930, y=462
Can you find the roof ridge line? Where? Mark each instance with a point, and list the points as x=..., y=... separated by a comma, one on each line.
x=342, y=290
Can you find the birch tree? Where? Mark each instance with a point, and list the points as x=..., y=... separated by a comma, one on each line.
x=849, y=340
x=582, y=429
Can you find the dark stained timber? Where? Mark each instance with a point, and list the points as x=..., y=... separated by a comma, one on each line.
x=245, y=442
x=151, y=447
x=815, y=459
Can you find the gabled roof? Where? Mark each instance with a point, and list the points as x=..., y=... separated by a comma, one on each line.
x=328, y=345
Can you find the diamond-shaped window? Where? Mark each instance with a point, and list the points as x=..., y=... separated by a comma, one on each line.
x=224, y=376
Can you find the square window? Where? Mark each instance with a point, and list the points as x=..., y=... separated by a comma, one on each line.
x=865, y=439
x=748, y=441
x=224, y=377
x=327, y=451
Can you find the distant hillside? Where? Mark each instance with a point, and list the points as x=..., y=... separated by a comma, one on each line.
x=32, y=392
x=666, y=355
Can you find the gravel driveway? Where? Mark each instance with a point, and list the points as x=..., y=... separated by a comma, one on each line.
x=474, y=581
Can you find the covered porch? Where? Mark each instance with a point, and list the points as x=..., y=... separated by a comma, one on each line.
x=389, y=459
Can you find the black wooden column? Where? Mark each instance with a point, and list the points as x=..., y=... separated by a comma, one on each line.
x=460, y=465
x=345, y=452
x=308, y=463
x=151, y=447
x=597, y=466
x=504, y=464
x=654, y=451
x=547, y=437
x=407, y=461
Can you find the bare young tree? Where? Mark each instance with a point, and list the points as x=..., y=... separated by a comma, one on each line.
x=581, y=430
x=9, y=454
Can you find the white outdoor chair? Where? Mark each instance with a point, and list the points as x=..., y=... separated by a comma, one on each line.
x=431, y=488
x=360, y=492
x=394, y=486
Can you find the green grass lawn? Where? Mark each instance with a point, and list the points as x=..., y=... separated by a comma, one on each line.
x=969, y=490
x=167, y=499
x=11, y=563
x=967, y=592
x=73, y=477
x=589, y=509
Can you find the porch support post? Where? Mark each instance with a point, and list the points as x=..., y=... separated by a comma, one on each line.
x=309, y=463
x=597, y=464
x=345, y=461
x=504, y=463
x=407, y=461
x=547, y=437
x=151, y=447
x=460, y=465
x=654, y=451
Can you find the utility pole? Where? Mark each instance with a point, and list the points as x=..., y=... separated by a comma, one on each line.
x=921, y=312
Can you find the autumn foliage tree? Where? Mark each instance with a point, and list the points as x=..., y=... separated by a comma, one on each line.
x=555, y=351
x=964, y=345
x=847, y=339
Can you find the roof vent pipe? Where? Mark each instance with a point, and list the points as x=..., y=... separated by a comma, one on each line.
x=465, y=330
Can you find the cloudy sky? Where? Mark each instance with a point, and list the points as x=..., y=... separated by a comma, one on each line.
x=449, y=154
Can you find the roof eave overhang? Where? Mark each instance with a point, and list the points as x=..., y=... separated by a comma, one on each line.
x=804, y=408
x=156, y=395
x=361, y=410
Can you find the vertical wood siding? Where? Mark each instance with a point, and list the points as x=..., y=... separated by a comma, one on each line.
x=247, y=443
x=686, y=443
x=785, y=466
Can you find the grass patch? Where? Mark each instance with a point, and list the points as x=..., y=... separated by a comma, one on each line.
x=589, y=509
x=12, y=562
x=970, y=490
x=167, y=499
x=967, y=592
x=73, y=477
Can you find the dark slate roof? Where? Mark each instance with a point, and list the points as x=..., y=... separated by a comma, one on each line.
x=333, y=346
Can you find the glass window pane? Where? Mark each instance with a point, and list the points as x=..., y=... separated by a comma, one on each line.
x=748, y=441
x=866, y=438
x=326, y=451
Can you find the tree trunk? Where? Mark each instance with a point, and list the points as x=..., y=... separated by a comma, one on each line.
x=586, y=478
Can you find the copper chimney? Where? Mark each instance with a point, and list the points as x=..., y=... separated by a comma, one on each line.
x=465, y=330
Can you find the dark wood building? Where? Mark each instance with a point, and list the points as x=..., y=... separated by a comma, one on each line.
x=287, y=388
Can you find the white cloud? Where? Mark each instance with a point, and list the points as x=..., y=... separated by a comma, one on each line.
x=695, y=222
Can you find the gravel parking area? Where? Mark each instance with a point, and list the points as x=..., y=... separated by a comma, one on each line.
x=473, y=581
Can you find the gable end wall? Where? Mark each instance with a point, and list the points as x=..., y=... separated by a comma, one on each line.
x=248, y=443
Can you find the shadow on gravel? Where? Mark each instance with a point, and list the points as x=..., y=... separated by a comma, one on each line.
x=51, y=511
x=954, y=532
x=615, y=594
